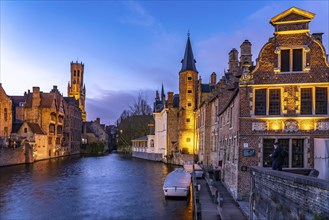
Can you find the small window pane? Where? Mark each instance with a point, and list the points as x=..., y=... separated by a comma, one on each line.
x=297, y=60
x=275, y=102
x=284, y=144
x=260, y=102
x=285, y=60
x=267, y=150
x=321, y=95
x=306, y=101
x=297, y=153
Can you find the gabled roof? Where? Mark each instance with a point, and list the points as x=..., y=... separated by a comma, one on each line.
x=71, y=100
x=188, y=62
x=292, y=15
x=3, y=94
x=207, y=87
x=16, y=100
x=16, y=127
x=141, y=139
x=88, y=127
x=35, y=128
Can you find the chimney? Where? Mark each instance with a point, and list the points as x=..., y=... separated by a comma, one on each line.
x=245, y=50
x=317, y=36
x=170, y=102
x=213, y=78
x=98, y=120
x=233, y=63
x=36, y=99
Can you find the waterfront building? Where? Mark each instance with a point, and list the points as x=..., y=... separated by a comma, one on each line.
x=205, y=111
x=76, y=87
x=72, y=125
x=46, y=110
x=166, y=124
x=94, y=132
x=32, y=135
x=144, y=148
x=188, y=78
x=5, y=117
x=283, y=98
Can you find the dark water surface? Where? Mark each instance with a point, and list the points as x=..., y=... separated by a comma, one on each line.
x=108, y=187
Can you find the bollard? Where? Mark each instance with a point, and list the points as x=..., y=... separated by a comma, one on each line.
x=221, y=201
x=197, y=199
x=199, y=212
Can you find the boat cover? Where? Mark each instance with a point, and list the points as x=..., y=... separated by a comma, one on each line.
x=178, y=178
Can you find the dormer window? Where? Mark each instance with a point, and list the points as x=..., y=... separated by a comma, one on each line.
x=291, y=60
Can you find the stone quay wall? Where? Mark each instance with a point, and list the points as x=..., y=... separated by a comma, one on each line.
x=147, y=156
x=13, y=156
x=283, y=195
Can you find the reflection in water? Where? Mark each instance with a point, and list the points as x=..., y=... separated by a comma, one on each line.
x=109, y=187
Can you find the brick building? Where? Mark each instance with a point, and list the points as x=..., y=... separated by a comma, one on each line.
x=283, y=98
x=95, y=132
x=166, y=125
x=32, y=135
x=76, y=88
x=72, y=125
x=5, y=117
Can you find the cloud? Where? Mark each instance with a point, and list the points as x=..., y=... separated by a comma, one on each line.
x=213, y=51
x=109, y=106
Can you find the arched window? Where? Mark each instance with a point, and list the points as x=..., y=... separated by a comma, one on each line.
x=25, y=130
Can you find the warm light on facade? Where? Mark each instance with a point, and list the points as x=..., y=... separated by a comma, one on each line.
x=275, y=125
x=306, y=125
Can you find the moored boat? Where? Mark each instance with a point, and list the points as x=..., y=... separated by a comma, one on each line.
x=198, y=171
x=188, y=166
x=177, y=183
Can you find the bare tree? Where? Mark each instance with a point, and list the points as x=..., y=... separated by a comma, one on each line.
x=140, y=107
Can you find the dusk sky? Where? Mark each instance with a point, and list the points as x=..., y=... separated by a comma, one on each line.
x=130, y=47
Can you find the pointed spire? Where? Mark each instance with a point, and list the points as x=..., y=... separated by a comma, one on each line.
x=188, y=62
x=162, y=92
x=157, y=95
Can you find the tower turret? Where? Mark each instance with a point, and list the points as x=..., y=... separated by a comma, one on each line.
x=188, y=77
x=76, y=88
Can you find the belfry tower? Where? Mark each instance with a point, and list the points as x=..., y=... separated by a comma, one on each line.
x=188, y=77
x=76, y=88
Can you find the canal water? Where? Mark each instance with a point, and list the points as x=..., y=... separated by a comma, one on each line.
x=109, y=187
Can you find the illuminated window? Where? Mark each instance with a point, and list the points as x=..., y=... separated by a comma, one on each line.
x=321, y=99
x=274, y=102
x=260, y=102
x=306, y=101
x=291, y=60
x=294, y=147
